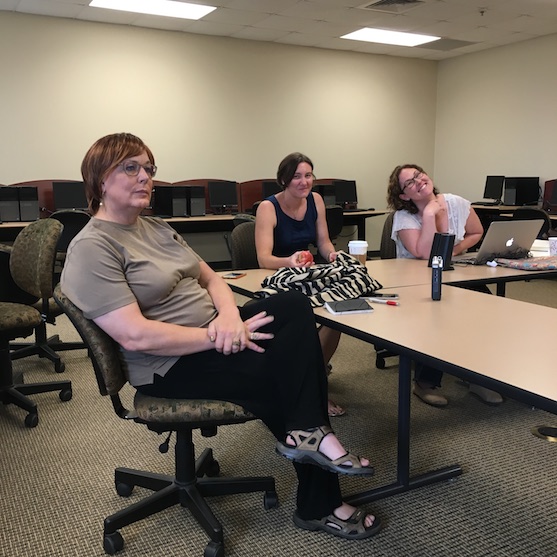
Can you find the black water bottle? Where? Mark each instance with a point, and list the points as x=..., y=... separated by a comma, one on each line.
x=436, y=277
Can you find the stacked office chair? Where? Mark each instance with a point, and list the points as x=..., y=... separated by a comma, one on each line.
x=387, y=250
x=242, y=246
x=180, y=416
x=32, y=260
x=532, y=213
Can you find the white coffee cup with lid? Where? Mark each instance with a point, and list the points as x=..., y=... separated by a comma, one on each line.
x=358, y=249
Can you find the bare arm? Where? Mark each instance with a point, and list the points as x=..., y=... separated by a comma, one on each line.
x=473, y=231
x=134, y=332
x=419, y=241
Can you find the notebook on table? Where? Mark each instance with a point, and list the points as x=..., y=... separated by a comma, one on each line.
x=511, y=239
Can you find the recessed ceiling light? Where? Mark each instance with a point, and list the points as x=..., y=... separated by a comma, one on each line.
x=389, y=37
x=166, y=8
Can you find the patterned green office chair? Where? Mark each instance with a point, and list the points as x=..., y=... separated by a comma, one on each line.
x=32, y=261
x=187, y=488
x=18, y=321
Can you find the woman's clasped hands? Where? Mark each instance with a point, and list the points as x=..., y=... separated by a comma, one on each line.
x=230, y=335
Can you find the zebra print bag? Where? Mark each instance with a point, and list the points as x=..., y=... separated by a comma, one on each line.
x=343, y=279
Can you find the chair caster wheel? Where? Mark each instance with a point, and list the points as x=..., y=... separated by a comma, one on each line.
x=31, y=420
x=66, y=395
x=270, y=500
x=380, y=363
x=124, y=490
x=214, y=549
x=113, y=542
x=59, y=366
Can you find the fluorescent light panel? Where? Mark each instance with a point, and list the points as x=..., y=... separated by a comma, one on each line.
x=166, y=8
x=389, y=37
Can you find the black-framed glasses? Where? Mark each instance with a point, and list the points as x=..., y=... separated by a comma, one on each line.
x=413, y=181
x=132, y=168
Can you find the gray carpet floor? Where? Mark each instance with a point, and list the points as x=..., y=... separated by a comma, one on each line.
x=57, y=479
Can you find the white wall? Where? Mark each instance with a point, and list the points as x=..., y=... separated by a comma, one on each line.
x=497, y=114
x=208, y=106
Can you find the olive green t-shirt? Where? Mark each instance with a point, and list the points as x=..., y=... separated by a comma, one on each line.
x=110, y=265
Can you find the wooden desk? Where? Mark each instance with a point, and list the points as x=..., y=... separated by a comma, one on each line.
x=207, y=223
x=358, y=219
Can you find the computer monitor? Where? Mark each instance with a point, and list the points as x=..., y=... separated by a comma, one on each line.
x=69, y=195
x=345, y=193
x=522, y=190
x=494, y=187
x=223, y=196
x=269, y=188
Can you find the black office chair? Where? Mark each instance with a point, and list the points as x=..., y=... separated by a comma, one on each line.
x=532, y=213
x=335, y=220
x=73, y=221
x=32, y=259
x=187, y=487
x=387, y=247
x=242, y=246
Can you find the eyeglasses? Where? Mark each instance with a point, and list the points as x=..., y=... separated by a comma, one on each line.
x=413, y=181
x=132, y=168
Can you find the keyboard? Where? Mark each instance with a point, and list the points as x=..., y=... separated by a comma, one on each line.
x=487, y=202
x=358, y=210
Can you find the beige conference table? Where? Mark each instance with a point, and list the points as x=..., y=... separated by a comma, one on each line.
x=423, y=330
x=395, y=273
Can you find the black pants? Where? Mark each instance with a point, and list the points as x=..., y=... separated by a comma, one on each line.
x=286, y=386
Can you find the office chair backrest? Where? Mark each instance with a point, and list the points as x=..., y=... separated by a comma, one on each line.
x=532, y=213
x=103, y=350
x=335, y=220
x=242, y=246
x=73, y=222
x=33, y=255
x=387, y=248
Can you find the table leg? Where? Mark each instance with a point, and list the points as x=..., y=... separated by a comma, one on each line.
x=404, y=481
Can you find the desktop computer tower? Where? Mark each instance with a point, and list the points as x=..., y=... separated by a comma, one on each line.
x=196, y=201
x=171, y=201
x=9, y=204
x=550, y=196
x=28, y=203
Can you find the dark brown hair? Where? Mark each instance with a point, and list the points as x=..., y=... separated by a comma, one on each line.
x=394, y=190
x=103, y=157
x=287, y=168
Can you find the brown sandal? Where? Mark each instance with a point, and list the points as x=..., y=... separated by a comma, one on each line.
x=352, y=528
x=306, y=451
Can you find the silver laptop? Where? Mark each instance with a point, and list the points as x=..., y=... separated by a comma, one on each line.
x=511, y=239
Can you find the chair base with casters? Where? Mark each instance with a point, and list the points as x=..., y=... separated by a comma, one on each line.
x=18, y=320
x=187, y=487
x=380, y=356
x=45, y=347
